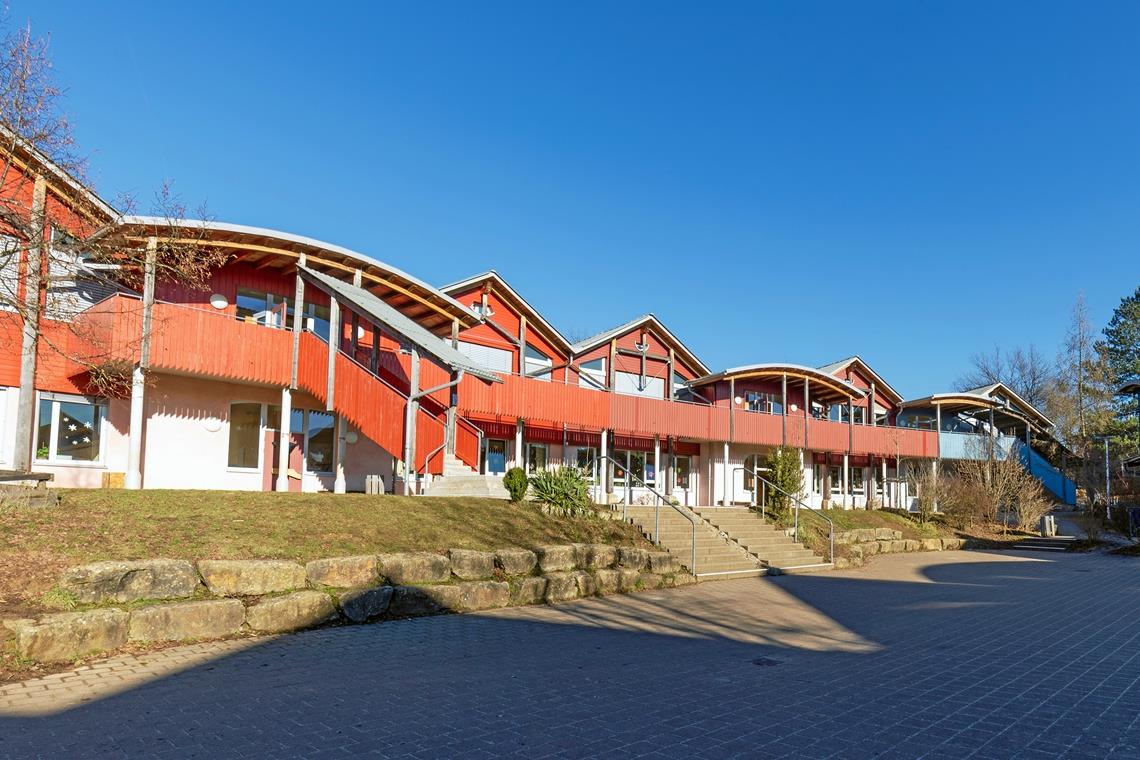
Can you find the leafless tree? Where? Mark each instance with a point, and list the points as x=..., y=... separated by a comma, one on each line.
x=61, y=246
x=1024, y=371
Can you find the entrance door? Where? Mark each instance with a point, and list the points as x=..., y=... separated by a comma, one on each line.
x=496, y=458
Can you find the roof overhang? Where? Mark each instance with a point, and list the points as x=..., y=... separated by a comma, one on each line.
x=882, y=387
x=1129, y=389
x=589, y=344
x=972, y=402
x=377, y=309
x=283, y=251
x=824, y=386
x=549, y=331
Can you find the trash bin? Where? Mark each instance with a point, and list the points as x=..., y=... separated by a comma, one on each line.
x=1048, y=526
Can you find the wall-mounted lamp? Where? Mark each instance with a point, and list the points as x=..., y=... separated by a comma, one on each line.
x=218, y=301
x=738, y=401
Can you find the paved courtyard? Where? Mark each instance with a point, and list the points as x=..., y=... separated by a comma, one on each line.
x=939, y=655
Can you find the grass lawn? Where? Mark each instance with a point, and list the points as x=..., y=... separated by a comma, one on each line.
x=91, y=525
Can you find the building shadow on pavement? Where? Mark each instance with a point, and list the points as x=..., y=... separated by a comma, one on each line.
x=831, y=663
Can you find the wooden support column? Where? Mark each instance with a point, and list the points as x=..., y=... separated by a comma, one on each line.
x=784, y=409
x=522, y=345
x=672, y=392
x=871, y=408
x=610, y=372
x=807, y=414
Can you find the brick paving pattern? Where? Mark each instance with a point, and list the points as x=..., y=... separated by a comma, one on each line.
x=954, y=655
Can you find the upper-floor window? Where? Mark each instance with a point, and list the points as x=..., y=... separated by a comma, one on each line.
x=768, y=403
x=536, y=364
x=636, y=385
x=497, y=359
x=275, y=310
x=839, y=413
x=9, y=273
x=592, y=374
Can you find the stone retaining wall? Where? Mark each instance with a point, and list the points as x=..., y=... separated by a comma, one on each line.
x=867, y=542
x=177, y=600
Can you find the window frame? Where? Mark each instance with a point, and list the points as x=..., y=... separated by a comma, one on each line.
x=53, y=442
x=530, y=446
x=688, y=476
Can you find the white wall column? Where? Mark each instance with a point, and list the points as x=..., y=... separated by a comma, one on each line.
x=284, y=437
x=133, y=476
x=656, y=465
x=341, y=450
x=410, y=423
x=846, y=482
x=726, y=479
x=606, y=471
x=520, y=453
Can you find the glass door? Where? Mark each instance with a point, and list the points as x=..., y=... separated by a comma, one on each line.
x=496, y=458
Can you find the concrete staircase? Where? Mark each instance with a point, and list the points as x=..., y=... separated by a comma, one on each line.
x=1050, y=544
x=460, y=480
x=717, y=557
x=762, y=540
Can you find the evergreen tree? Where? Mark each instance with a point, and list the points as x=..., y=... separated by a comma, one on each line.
x=1120, y=351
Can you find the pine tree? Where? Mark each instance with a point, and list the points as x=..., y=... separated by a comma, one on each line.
x=1120, y=351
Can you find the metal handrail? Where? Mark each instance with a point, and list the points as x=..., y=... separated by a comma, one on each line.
x=756, y=474
x=656, y=507
x=799, y=502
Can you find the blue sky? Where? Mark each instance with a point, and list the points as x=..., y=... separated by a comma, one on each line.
x=795, y=181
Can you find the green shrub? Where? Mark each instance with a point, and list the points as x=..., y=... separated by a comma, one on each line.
x=516, y=483
x=564, y=489
x=786, y=471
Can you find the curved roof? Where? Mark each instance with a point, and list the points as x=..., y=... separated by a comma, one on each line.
x=983, y=398
x=827, y=387
x=274, y=249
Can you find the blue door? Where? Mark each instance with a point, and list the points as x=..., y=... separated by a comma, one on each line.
x=496, y=456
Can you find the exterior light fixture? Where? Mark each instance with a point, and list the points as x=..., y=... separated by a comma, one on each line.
x=792, y=407
x=738, y=401
x=219, y=301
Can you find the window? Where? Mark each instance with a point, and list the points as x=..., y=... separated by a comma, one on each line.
x=836, y=475
x=681, y=388
x=638, y=465
x=3, y=416
x=586, y=460
x=632, y=384
x=839, y=413
x=496, y=359
x=682, y=469
x=72, y=284
x=70, y=429
x=769, y=403
x=856, y=480
x=318, y=431
x=320, y=441
x=535, y=457
x=262, y=307
x=917, y=420
x=9, y=273
x=534, y=361
x=245, y=436
x=592, y=374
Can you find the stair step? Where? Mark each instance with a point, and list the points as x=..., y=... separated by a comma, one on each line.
x=728, y=575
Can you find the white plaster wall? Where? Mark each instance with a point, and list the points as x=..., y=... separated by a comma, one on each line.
x=182, y=451
x=7, y=425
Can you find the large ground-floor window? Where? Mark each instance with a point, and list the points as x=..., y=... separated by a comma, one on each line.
x=682, y=471
x=70, y=429
x=535, y=457
x=245, y=436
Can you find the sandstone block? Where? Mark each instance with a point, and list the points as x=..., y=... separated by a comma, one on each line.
x=683, y=579
x=595, y=556
x=130, y=581
x=932, y=544
x=343, y=572
x=651, y=580
x=561, y=587
x=250, y=577
x=475, y=595
x=607, y=582
x=516, y=561
x=555, y=558
x=472, y=565
x=898, y=545
x=953, y=543
x=67, y=635
x=885, y=547
x=363, y=604
x=415, y=567
x=912, y=545
x=629, y=579
x=662, y=562
x=302, y=609
x=586, y=585
x=529, y=591
x=629, y=556
x=413, y=601
x=869, y=549
x=210, y=619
